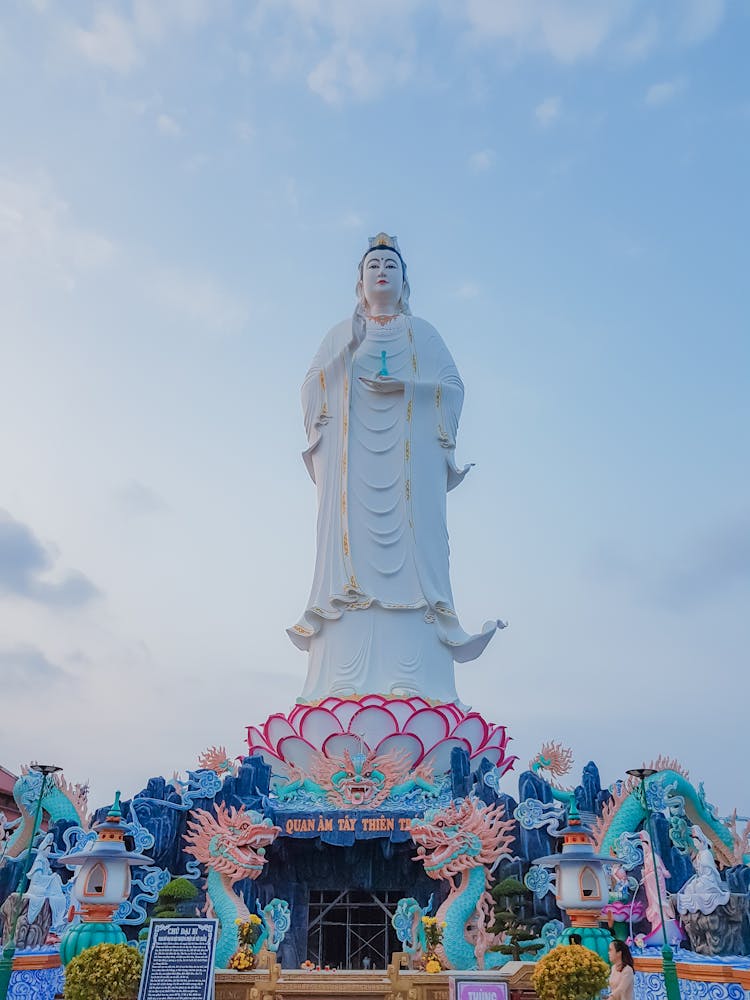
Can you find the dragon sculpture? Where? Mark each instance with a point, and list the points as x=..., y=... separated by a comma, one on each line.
x=556, y=760
x=670, y=792
x=232, y=845
x=361, y=779
x=60, y=800
x=462, y=843
x=408, y=923
x=216, y=759
x=625, y=812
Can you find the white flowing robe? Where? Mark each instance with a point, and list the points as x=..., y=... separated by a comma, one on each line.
x=380, y=617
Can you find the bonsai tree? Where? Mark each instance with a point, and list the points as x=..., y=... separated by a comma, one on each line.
x=175, y=892
x=509, y=895
x=570, y=972
x=104, y=972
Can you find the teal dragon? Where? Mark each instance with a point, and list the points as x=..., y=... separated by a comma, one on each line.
x=362, y=779
x=232, y=845
x=669, y=792
x=462, y=843
x=60, y=800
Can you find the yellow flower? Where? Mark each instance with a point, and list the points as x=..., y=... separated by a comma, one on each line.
x=238, y=922
x=433, y=966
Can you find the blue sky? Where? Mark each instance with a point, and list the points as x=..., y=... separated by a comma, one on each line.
x=185, y=190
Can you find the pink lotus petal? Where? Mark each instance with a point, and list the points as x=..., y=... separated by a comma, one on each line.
x=455, y=712
x=279, y=767
x=497, y=737
x=450, y=718
x=411, y=745
x=297, y=752
x=337, y=743
x=332, y=703
x=473, y=729
x=491, y=754
x=255, y=738
x=416, y=703
x=400, y=710
x=429, y=725
x=440, y=756
x=294, y=715
x=276, y=728
x=373, y=723
x=345, y=711
x=372, y=699
x=318, y=725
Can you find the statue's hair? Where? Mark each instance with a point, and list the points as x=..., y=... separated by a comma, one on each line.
x=360, y=312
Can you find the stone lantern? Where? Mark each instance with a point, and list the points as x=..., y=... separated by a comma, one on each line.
x=100, y=885
x=582, y=884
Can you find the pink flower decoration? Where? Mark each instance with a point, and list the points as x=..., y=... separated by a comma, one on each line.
x=426, y=733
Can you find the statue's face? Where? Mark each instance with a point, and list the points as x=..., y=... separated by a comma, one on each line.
x=382, y=278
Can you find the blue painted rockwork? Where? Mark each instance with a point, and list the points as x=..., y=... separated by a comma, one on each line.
x=366, y=859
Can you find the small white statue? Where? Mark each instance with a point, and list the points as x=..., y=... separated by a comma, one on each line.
x=705, y=891
x=46, y=884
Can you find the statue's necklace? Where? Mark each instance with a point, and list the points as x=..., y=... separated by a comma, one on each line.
x=383, y=320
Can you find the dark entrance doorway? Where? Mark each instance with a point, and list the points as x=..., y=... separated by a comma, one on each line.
x=347, y=928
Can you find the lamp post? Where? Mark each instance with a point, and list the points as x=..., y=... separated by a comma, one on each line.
x=671, y=983
x=6, y=962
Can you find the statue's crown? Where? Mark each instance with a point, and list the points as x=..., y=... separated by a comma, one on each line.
x=384, y=240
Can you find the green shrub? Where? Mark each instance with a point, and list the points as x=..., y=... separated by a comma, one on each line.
x=570, y=972
x=104, y=972
x=179, y=890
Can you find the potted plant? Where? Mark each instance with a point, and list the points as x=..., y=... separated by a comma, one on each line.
x=517, y=934
x=104, y=972
x=570, y=972
x=433, y=935
x=248, y=932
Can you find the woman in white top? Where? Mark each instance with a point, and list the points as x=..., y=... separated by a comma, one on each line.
x=621, y=976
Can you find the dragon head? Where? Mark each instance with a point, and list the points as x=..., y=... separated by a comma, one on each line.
x=217, y=760
x=458, y=837
x=554, y=758
x=364, y=778
x=233, y=842
x=358, y=781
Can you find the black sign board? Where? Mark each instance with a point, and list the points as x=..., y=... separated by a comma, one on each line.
x=179, y=960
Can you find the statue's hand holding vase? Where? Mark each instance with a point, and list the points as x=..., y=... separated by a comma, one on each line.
x=383, y=383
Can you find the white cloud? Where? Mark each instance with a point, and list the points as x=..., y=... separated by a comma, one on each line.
x=662, y=93
x=482, y=160
x=568, y=31
x=168, y=125
x=701, y=18
x=643, y=40
x=156, y=19
x=571, y=30
x=244, y=131
x=352, y=220
x=347, y=73
x=467, y=290
x=117, y=42
x=39, y=236
x=42, y=245
x=109, y=42
x=348, y=51
x=196, y=299
x=548, y=111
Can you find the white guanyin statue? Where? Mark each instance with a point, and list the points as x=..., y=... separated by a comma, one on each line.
x=382, y=401
x=704, y=891
x=44, y=884
x=655, y=884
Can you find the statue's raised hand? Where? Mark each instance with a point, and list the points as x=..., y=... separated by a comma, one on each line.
x=383, y=383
